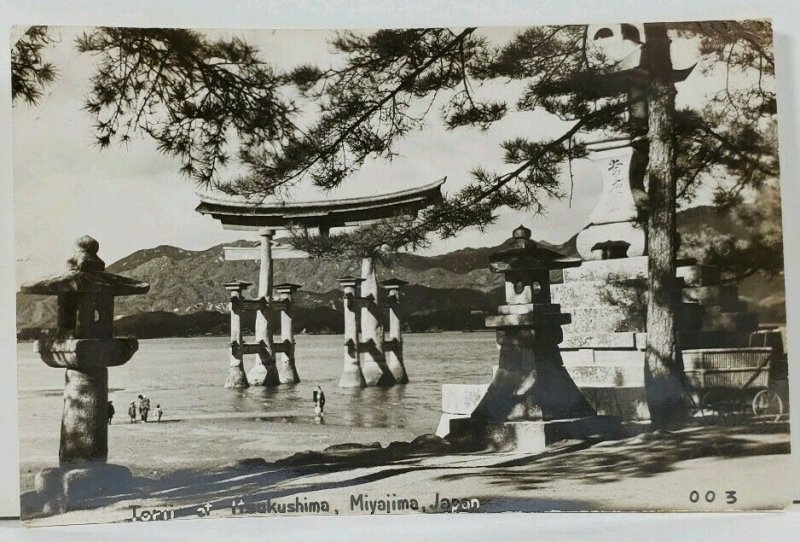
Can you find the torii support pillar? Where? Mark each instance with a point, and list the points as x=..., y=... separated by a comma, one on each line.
x=393, y=345
x=237, y=378
x=284, y=357
x=351, y=371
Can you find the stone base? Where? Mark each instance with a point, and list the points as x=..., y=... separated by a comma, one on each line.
x=526, y=436
x=236, y=379
x=61, y=489
x=462, y=398
x=603, y=349
x=260, y=375
x=591, y=293
x=535, y=436
x=629, y=404
x=352, y=377
x=375, y=372
x=287, y=372
x=394, y=362
x=608, y=376
x=450, y=424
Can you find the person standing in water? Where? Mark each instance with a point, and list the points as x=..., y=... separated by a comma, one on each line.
x=132, y=411
x=319, y=401
x=111, y=412
x=159, y=413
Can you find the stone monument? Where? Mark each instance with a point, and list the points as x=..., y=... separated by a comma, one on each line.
x=603, y=346
x=85, y=347
x=614, y=230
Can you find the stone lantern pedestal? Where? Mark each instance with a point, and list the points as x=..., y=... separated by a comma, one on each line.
x=532, y=400
x=84, y=346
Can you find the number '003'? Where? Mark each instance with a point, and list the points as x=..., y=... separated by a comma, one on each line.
x=711, y=496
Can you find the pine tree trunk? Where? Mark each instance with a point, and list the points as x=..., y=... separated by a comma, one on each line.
x=664, y=378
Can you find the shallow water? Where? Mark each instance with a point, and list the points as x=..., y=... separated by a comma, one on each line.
x=185, y=376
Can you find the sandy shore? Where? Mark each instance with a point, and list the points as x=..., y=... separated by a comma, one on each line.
x=204, y=442
x=730, y=468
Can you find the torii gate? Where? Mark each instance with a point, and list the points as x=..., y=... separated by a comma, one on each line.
x=265, y=217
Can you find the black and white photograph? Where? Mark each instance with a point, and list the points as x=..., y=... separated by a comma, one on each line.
x=398, y=271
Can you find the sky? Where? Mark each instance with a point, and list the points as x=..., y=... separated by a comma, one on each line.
x=133, y=197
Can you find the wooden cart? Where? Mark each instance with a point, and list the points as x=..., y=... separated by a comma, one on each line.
x=728, y=381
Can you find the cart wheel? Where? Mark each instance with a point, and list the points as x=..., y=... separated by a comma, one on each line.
x=768, y=403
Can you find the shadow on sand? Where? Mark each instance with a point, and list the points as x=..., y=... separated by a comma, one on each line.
x=644, y=455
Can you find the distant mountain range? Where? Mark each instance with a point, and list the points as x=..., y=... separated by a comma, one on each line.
x=445, y=292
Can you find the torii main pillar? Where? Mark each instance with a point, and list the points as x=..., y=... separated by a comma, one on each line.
x=265, y=373
x=373, y=361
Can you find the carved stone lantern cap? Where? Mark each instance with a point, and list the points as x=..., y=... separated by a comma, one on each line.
x=617, y=53
x=521, y=253
x=86, y=274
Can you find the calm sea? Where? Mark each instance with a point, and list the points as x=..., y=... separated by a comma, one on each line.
x=185, y=376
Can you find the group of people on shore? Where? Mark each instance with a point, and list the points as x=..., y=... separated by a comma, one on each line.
x=142, y=409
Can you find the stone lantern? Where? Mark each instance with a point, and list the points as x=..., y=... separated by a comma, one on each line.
x=616, y=47
x=84, y=346
x=532, y=400
x=617, y=53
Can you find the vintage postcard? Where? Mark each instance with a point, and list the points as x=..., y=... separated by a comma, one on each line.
x=406, y=271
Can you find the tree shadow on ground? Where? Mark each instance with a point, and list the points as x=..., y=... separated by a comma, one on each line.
x=260, y=480
x=642, y=456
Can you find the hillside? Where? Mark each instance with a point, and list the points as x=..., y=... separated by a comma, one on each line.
x=184, y=284
x=444, y=292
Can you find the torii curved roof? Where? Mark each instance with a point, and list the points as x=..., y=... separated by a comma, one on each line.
x=241, y=213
